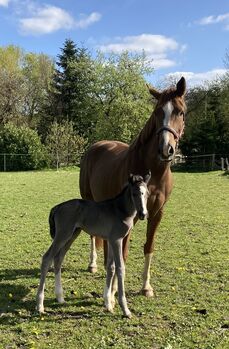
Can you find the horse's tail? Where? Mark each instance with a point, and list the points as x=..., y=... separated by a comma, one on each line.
x=52, y=225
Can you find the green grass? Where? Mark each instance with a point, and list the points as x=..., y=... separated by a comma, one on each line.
x=190, y=271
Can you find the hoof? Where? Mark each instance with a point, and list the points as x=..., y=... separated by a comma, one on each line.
x=110, y=309
x=40, y=310
x=92, y=270
x=60, y=300
x=127, y=315
x=147, y=293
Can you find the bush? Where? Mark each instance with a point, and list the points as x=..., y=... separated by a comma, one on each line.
x=24, y=146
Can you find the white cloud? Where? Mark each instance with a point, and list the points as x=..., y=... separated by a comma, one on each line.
x=88, y=20
x=196, y=79
x=4, y=3
x=48, y=19
x=156, y=47
x=224, y=18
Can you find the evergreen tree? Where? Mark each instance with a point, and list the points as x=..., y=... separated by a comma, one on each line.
x=71, y=87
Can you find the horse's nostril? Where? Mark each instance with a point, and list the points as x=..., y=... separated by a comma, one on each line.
x=171, y=150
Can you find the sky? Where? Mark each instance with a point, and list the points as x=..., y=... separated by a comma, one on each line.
x=188, y=38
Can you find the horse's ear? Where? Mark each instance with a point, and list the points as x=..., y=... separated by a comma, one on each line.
x=147, y=177
x=153, y=92
x=181, y=87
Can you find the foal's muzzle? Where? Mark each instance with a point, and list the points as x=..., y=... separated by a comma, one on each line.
x=142, y=215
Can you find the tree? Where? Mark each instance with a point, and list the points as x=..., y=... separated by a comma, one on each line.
x=71, y=87
x=11, y=83
x=123, y=103
x=64, y=146
x=207, y=121
x=37, y=72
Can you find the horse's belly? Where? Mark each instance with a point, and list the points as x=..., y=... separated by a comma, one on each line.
x=104, y=169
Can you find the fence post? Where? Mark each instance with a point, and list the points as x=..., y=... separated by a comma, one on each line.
x=222, y=164
x=4, y=160
x=227, y=164
x=213, y=161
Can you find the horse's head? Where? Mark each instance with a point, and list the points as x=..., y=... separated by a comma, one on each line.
x=169, y=115
x=140, y=193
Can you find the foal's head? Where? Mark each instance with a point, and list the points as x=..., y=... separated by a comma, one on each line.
x=140, y=193
x=169, y=114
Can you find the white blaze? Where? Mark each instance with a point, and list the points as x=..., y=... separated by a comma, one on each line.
x=168, y=109
x=143, y=190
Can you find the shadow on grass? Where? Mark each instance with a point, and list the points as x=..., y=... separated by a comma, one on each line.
x=14, y=274
x=17, y=306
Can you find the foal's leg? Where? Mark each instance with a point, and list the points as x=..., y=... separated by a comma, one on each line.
x=92, y=267
x=125, y=244
x=45, y=265
x=152, y=225
x=114, y=289
x=120, y=271
x=109, y=278
x=58, y=260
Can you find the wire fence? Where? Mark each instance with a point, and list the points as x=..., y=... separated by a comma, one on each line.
x=206, y=162
x=203, y=162
x=12, y=162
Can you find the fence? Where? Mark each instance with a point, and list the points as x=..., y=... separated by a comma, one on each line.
x=206, y=162
x=11, y=162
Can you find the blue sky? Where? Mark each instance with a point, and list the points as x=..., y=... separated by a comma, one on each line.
x=181, y=37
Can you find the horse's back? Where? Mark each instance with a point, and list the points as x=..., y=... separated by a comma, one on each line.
x=101, y=170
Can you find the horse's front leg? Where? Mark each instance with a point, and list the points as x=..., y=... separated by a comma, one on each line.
x=153, y=222
x=120, y=271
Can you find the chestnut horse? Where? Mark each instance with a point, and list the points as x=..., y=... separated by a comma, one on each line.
x=106, y=165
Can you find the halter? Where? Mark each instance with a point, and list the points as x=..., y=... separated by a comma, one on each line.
x=171, y=130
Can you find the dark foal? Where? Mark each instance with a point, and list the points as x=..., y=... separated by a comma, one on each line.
x=111, y=220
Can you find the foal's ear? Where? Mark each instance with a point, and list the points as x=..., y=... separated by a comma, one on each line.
x=181, y=87
x=130, y=179
x=153, y=92
x=147, y=177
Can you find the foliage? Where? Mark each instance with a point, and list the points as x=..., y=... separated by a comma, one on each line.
x=37, y=71
x=24, y=82
x=189, y=271
x=22, y=140
x=207, y=123
x=123, y=103
x=11, y=83
x=64, y=146
x=71, y=87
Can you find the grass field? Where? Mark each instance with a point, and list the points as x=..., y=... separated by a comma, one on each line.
x=190, y=271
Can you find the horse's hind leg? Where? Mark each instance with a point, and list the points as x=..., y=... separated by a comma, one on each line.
x=58, y=260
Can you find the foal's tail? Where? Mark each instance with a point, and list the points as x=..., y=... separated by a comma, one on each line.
x=52, y=225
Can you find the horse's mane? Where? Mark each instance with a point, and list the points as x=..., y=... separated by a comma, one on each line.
x=145, y=133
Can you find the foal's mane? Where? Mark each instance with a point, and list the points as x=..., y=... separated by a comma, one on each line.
x=150, y=126
x=137, y=180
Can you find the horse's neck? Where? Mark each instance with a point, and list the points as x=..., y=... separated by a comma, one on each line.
x=125, y=203
x=143, y=152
